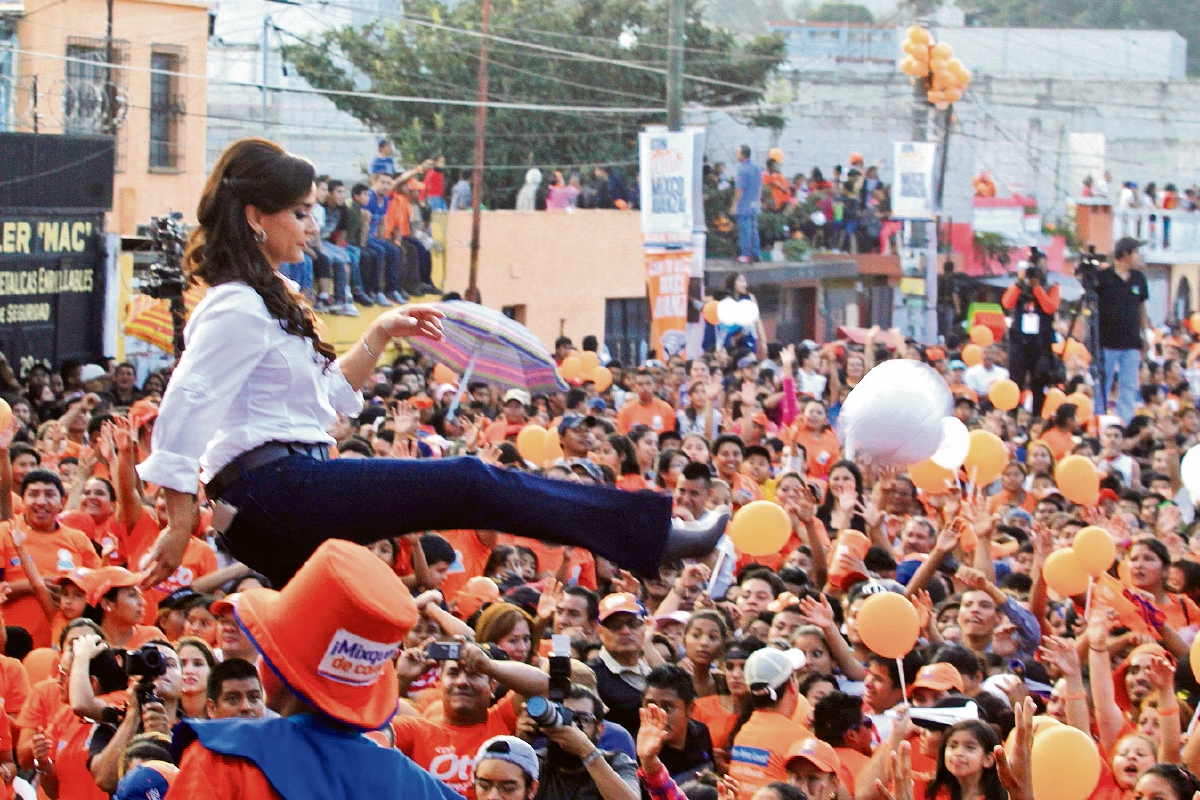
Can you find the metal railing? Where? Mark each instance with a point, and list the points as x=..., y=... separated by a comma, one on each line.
x=1172, y=236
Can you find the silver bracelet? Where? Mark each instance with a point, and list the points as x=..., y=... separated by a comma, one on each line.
x=372, y=355
x=591, y=757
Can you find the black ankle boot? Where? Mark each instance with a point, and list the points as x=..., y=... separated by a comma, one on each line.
x=695, y=539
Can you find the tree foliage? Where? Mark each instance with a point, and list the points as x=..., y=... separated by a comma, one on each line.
x=1173, y=15
x=397, y=57
x=841, y=12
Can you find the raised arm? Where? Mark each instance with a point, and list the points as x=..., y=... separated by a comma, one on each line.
x=1109, y=721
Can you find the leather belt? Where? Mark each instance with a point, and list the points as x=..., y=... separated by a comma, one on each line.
x=259, y=457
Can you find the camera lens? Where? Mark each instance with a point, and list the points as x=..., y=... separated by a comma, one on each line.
x=543, y=712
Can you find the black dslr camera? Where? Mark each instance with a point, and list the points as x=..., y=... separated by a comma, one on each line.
x=548, y=711
x=147, y=664
x=1035, y=272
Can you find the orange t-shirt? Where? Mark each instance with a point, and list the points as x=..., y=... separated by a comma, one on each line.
x=40, y=707
x=470, y=557
x=781, y=190
x=205, y=775
x=719, y=721
x=54, y=553
x=68, y=736
x=658, y=414
x=633, y=483
x=581, y=569
x=132, y=543
x=823, y=450
x=198, y=560
x=14, y=685
x=447, y=751
x=759, y=749
x=1001, y=498
x=962, y=390
x=852, y=765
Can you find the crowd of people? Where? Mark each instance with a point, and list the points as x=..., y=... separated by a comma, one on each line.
x=731, y=676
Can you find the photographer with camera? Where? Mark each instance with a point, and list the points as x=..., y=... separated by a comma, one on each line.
x=1121, y=292
x=151, y=703
x=1031, y=362
x=467, y=680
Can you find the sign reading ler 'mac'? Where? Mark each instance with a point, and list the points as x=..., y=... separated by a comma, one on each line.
x=51, y=286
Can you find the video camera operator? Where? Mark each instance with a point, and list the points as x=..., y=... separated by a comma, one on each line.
x=468, y=678
x=151, y=703
x=1031, y=362
x=1121, y=292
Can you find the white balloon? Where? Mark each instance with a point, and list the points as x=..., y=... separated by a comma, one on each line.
x=894, y=415
x=727, y=311
x=1189, y=472
x=956, y=440
x=741, y=313
x=818, y=218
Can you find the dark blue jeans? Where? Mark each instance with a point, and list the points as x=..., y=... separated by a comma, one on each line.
x=288, y=507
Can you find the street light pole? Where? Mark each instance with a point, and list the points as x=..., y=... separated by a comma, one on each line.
x=675, y=25
x=109, y=112
x=472, y=293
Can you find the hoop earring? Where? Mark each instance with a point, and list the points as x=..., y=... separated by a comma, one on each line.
x=260, y=235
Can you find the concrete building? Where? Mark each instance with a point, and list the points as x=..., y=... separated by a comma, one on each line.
x=308, y=124
x=159, y=108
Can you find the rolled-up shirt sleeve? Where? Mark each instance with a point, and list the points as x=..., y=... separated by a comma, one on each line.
x=220, y=357
x=1028, y=628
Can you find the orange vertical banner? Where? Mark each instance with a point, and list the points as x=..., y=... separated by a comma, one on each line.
x=667, y=275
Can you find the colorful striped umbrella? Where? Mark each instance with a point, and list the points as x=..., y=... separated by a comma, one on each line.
x=150, y=320
x=486, y=345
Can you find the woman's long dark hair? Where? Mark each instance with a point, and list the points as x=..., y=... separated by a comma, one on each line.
x=259, y=173
x=989, y=782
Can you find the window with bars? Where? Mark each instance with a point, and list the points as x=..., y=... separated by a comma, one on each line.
x=94, y=95
x=627, y=329
x=167, y=109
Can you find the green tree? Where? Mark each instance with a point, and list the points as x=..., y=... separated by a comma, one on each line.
x=1174, y=15
x=841, y=12
x=418, y=59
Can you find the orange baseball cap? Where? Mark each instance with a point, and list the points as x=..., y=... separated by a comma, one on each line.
x=820, y=754
x=621, y=603
x=940, y=677
x=332, y=632
x=142, y=413
x=226, y=605
x=78, y=576
x=100, y=581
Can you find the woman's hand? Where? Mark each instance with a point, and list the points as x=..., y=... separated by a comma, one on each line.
x=411, y=320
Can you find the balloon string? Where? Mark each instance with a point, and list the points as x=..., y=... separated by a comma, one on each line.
x=900, y=666
x=1087, y=602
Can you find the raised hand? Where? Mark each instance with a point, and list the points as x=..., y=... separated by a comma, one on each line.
x=652, y=735
x=412, y=320
x=1016, y=773
x=817, y=612
x=405, y=419
x=1060, y=653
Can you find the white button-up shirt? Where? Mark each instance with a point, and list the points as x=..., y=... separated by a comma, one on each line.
x=242, y=382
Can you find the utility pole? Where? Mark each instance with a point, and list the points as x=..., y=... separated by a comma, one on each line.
x=265, y=57
x=108, y=117
x=926, y=232
x=472, y=293
x=675, y=26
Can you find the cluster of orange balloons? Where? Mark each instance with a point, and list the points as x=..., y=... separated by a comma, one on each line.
x=539, y=445
x=582, y=367
x=1091, y=554
x=943, y=75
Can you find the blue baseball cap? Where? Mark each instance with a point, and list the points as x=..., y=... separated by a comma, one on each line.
x=514, y=751
x=957, y=364
x=571, y=419
x=147, y=781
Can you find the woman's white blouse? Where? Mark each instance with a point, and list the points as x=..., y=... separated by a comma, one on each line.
x=242, y=382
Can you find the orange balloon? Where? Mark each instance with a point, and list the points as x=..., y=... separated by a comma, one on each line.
x=1054, y=399
x=888, y=624
x=1005, y=394
x=1083, y=406
x=918, y=35
x=443, y=374
x=982, y=335
x=551, y=449
x=571, y=368
x=972, y=354
x=1195, y=320
x=709, y=312
x=953, y=94
x=930, y=477
x=986, y=457
x=1063, y=573
x=1095, y=549
x=6, y=415
x=589, y=360
x=1065, y=764
x=1078, y=479
x=531, y=443
x=602, y=377
x=760, y=528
